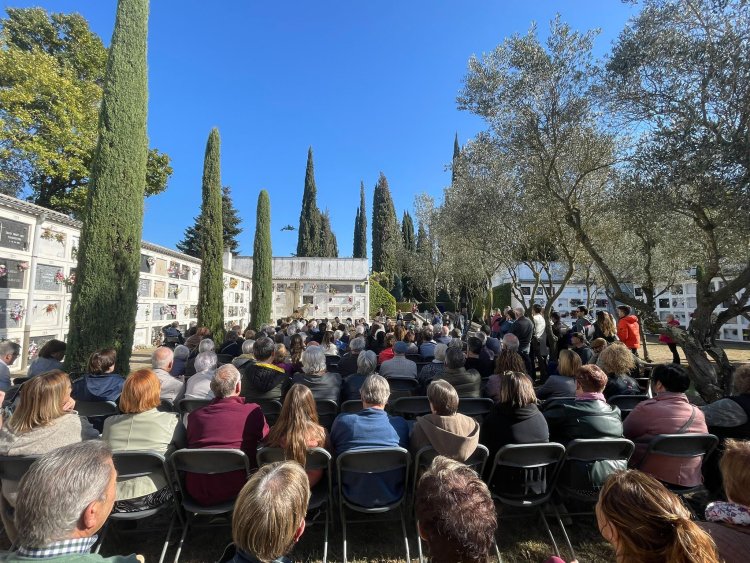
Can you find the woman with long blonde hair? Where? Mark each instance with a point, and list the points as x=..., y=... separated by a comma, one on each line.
x=298, y=428
x=605, y=327
x=647, y=523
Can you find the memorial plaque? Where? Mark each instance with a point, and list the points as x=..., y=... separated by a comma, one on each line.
x=13, y=274
x=36, y=343
x=160, y=289
x=45, y=312
x=14, y=234
x=144, y=264
x=340, y=288
x=144, y=288
x=161, y=267
x=185, y=272
x=157, y=314
x=172, y=291
x=45, y=278
x=10, y=308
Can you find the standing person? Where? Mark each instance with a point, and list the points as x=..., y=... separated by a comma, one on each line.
x=604, y=327
x=523, y=329
x=9, y=351
x=172, y=334
x=539, y=342
x=666, y=339
x=495, y=323
x=583, y=322
x=628, y=330
x=581, y=347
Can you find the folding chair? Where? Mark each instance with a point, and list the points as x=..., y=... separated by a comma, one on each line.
x=166, y=406
x=13, y=468
x=410, y=407
x=351, y=406
x=537, y=467
x=549, y=403
x=134, y=464
x=402, y=387
x=420, y=365
x=186, y=406
x=204, y=461
x=626, y=403
x=322, y=493
x=271, y=410
x=681, y=445
x=92, y=409
x=327, y=411
x=332, y=363
x=475, y=408
x=371, y=463
x=416, y=358
x=224, y=358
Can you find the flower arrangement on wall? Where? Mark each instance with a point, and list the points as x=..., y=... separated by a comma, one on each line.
x=22, y=266
x=70, y=280
x=59, y=277
x=150, y=261
x=17, y=313
x=233, y=282
x=50, y=234
x=3, y=271
x=50, y=309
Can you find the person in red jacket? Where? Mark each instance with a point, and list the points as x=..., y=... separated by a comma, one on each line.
x=671, y=321
x=628, y=330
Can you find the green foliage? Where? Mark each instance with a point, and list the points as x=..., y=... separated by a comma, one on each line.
x=104, y=300
x=308, y=242
x=501, y=296
x=329, y=248
x=385, y=233
x=211, y=289
x=404, y=306
x=262, y=303
x=407, y=233
x=379, y=297
x=52, y=70
x=360, y=226
x=230, y=221
x=398, y=288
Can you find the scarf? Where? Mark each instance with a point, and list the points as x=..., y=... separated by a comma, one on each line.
x=728, y=512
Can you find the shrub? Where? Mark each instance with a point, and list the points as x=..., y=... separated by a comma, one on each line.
x=380, y=297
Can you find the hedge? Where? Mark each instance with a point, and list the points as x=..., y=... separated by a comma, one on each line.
x=381, y=297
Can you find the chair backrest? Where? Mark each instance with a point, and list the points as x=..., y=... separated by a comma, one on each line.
x=424, y=457
x=600, y=449
x=186, y=406
x=410, y=407
x=420, y=365
x=682, y=445
x=402, y=387
x=626, y=402
x=538, y=467
x=206, y=461
x=373, y=462
x=317, y=458
x=417, y=358
x=224, y=358
x=327, y=411
x=354, y=405
x=166, y=406
x=271, y=410
x=13, y=467
x=549, y=403
x=134, y=464
x=96, y=408
x=475, y=407
x=332, y=361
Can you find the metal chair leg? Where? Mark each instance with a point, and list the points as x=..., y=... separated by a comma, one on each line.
x=497, y=552
x=419, y=545
x=325, y=537
x=182, y=539
x=565, y=532
x=166, y=541
x=549, y=532
x=343, y=532
x=403, y=529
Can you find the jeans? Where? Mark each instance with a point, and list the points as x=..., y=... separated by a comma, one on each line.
x=675, y=355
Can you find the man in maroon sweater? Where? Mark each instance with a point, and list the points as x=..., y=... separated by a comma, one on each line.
x=226, y=422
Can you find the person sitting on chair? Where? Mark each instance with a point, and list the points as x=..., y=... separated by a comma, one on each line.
x=399, y=365
x=269, y=514
x=172, y=334
x=261, y=379
x=162, y=361
x=101, y=383
x=455, y=513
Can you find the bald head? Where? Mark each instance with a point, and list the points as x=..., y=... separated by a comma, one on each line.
x=162, y=358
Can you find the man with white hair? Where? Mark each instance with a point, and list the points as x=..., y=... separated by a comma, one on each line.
x=9, y=351
x=444, y=338
x=348, y=362
x=161, y=361
x=63, y=501
x=205, y=345
x=199, y=385
x=229, y=421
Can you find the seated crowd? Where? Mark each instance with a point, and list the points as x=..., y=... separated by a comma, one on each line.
x=301, y=364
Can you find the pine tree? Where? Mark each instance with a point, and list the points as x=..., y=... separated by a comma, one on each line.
x=309, y=241
x=230, y=220
x=454, y=162
x=104, y=300
x=329, y=246
x=385, y=233
x=211, y=288
x=260, y=307
x=360, y=226
x=407, y=233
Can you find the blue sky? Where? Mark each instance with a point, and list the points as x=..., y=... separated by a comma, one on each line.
x=371, y=86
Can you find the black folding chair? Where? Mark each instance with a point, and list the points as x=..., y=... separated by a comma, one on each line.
x=166, y=406
x=327, y=411
x=402, y=387
x=332, y=363
x=351, y=406
x=131, y=465
x=475, y=408
x=186, y=406
x=204, y=461
x=535, y=469
x=271, y=410
x=556, y=401
x=13, y=468
x=322, y=493
x=96, y=408
x=372, y=462
x=416, y=358
x=626, y=403
x=681, y=445
x=224, y=358
x=420, y=365
x=410, y=407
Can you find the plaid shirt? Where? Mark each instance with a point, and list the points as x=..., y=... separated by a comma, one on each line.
x=55, y=549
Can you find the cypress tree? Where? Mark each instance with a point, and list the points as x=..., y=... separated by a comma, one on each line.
x=329, y=246
x=104, y=300
x=384, y=228
x=456, y=154
x=211, y=288
x=356, y=250
x=260, y=307
x=309, y=239
x=407, y=232
x=230, y=221
x=361, y=228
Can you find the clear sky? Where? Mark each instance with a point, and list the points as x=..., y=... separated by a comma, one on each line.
x=370, y=85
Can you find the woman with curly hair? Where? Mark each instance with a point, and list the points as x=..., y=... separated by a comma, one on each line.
x=646, y=523
x=296, y=347
x=618, y=362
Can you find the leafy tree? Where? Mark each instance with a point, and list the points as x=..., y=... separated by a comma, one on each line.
x=329, y=246
x=230, y=220
x=52, y=71
x=211, y=288
x=310, y=219
x=386, y=238
x=260, y=307
x=360, y=226
x=407, y=233
x=104, y=300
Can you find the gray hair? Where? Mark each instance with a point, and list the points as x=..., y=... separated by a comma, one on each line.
x=263, y=348
x=375, y=390
x=9, y=347
x=357, y=344
x=57, y=489
x=181, y=352
x=205, y=360
x=291, y=329
x=206, y=345
x=247, y=346
x=359, y=329
x=481, y=336
x=510, y=342
x=337, y=334
x=367, y=362
x=162, y=357
x=454, y=358
x=440, y=351
x=224, y=381
x=313, y=360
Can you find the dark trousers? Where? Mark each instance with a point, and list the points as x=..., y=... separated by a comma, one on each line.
x=675, y=355
x=527, y=362
x=540, y=361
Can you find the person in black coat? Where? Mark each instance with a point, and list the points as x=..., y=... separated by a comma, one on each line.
x=523, y=329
